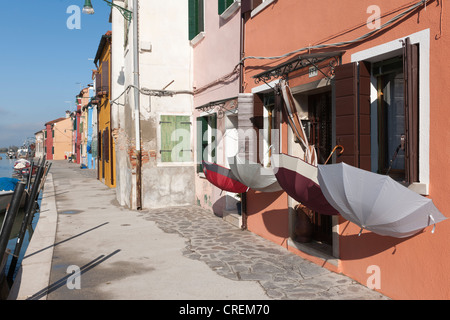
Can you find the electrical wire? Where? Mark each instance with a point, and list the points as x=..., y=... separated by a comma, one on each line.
x=344, y=43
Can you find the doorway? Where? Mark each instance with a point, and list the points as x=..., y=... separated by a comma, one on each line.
x=319, y=134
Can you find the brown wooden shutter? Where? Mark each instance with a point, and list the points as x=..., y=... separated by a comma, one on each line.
x=352, y=84
x=411, y=76
x=105, y=76
x=98, y=83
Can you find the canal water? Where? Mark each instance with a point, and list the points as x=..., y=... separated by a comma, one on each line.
x=6, y=170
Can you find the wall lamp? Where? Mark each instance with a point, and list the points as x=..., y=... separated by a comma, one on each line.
x=89, y=9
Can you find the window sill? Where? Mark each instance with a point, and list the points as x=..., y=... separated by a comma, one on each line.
x=197, y=38
x=231, y=9
x=260, y=8
x=420, y=188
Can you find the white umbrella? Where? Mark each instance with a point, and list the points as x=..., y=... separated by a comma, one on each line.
x=254, y=175
x=376, y=202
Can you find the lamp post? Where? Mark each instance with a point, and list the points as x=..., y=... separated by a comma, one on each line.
x=130, y=15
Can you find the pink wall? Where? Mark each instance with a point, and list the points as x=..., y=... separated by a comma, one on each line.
x=215, y=58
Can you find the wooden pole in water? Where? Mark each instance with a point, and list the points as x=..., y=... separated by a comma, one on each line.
x=29, y=212
x=10, y=216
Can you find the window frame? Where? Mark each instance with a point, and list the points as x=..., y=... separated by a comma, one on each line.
x=211, y=135
x=388, y=50
x=196, y=28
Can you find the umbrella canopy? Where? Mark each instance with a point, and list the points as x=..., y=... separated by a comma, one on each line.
x=299, y=179
x=376, y=202
x=254, y=175
x=222, y=178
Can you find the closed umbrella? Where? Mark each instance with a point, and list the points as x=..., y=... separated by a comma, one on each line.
x=222, y=178
x=376, y=202
x=254, y=175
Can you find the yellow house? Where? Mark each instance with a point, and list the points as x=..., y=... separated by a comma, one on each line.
x=106, y=148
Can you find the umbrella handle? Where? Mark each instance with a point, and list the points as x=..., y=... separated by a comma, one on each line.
x=334, y=149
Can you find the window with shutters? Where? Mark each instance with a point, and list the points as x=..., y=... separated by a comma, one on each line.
x=175, y=138
x=254, y=6
x=228, y=7
x=206, y=140
x=382, y=136
x=196, y=16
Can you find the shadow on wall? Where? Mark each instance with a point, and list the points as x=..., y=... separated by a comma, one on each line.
x=354, y=247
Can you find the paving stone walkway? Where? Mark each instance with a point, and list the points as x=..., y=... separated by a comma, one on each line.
x=241, y=255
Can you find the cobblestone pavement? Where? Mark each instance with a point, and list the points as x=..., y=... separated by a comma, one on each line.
x=241, y=255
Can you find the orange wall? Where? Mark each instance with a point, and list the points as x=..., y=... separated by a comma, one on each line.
x=411, y=268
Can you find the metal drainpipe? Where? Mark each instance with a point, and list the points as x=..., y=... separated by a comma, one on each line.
x=241, y=77
x=137, y=112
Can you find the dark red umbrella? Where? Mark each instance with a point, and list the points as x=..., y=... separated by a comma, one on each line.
x=222, y=178
x=299, y=179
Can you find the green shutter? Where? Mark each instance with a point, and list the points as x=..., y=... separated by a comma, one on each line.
x=171, y=137
x=213, y=125
x=195, y=18
x=168, y=126
x=183, y=137
x=202, y=127
x=224, y=4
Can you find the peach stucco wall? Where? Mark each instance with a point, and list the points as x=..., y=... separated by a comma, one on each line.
x=410, y=268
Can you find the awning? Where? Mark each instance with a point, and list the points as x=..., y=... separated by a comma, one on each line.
x=222, y=178
x=299, y=179
x=301, y=61
x=254, y=175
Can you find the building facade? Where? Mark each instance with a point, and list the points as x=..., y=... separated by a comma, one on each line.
x=106, y=154
x=347, y=77
x=214, y=34
x=153, y=130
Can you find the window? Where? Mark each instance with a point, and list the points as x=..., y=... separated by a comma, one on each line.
x=175, y=133
x=268, y=126
x=391, y=117
x=195, y=18
x=224, y=4
x=206, y=140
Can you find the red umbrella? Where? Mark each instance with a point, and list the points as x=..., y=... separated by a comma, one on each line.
x=222, y=178
x=299, y=179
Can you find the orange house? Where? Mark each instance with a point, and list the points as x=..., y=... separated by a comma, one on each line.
x=351, y=68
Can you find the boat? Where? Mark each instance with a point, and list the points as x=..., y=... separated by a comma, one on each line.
x=11, y=154
x=22, y=152
x=7, y=186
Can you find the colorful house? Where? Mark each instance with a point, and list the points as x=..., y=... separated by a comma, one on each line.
x=153, y=128
x=370, y=79
x=58, y=138
x=214, y=33
x=106, y=147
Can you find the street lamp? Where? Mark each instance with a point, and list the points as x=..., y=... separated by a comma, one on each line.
x=89, y=9
x=130, y=15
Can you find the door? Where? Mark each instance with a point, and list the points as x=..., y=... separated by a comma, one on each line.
x=320, y=135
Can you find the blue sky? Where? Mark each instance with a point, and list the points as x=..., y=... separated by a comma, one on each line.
x=43, y=62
